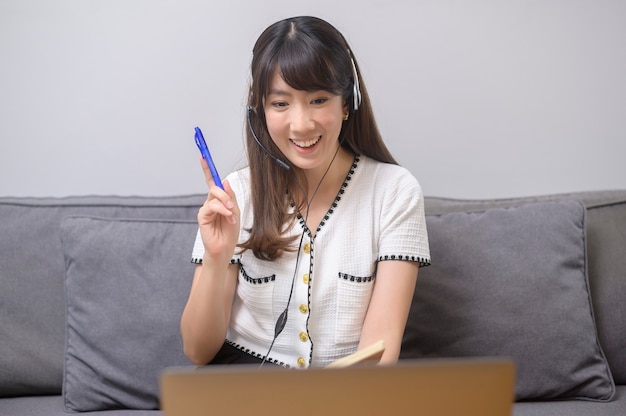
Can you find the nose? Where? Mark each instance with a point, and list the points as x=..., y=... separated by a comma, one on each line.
x=301, y=121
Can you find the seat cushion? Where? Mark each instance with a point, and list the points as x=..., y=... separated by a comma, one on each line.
x=53, y=406
x=574, y=407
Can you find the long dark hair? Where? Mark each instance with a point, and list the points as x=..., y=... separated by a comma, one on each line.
x=311, y=55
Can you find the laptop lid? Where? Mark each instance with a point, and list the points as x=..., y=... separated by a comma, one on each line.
x=470, y=387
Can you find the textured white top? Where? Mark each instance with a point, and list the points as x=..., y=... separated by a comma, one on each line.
x=378, y=215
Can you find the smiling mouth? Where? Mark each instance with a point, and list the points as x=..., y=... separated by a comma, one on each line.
x=306, y=143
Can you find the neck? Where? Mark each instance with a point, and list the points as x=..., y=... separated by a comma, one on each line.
x=324, y=183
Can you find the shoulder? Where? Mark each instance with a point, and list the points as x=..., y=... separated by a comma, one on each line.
x=241, y=175
x=240, y=181
x=388, y=177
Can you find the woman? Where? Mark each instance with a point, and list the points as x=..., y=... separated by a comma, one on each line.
x=312, y=251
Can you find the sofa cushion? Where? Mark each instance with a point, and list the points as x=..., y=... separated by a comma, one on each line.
x=606, y=239
x=512, y=282
x=126, y=283
x=32, y=304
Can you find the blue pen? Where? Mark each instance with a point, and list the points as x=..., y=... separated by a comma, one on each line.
x=207, y=156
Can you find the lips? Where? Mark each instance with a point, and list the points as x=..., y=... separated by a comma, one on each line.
x=306, y=143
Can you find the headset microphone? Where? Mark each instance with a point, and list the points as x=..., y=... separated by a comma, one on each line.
x=280, y=163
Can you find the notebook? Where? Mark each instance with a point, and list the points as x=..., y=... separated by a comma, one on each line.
x=469, y=387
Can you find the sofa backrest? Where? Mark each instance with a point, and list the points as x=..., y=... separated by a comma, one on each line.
x=32, y=271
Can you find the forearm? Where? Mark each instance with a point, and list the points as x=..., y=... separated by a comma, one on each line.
x=204, y=321
x=389, y=308
x=392, y=338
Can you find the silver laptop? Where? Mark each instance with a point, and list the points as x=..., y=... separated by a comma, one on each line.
x=469, y=387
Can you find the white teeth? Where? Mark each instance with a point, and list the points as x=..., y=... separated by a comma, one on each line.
x=306, y=143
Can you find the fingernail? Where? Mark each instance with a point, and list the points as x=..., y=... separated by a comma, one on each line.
x=229, y=204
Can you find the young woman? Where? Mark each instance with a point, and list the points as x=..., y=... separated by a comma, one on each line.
x=312, y=251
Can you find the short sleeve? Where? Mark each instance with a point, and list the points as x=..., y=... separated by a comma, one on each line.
x=403, y=234
x=198, y=249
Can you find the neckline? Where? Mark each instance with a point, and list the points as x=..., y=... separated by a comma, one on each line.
x=335, y=203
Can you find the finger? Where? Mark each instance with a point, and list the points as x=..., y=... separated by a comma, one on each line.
x=215, y=192
x=208, y=178
x=222, y=203
x=229, y=199
x=232, y=204
x=211, y=210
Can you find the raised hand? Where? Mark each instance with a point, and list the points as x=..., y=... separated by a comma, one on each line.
x=218, y=219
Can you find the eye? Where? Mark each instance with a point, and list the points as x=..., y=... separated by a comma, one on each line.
x=279, y=104
x=319, y=101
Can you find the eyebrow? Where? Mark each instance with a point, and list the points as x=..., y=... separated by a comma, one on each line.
x=276, y=91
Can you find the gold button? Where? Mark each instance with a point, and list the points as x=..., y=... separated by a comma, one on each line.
x=301, y=362
x=304, y=308
x=307, y=248
x=303, y=336
x=305, y=278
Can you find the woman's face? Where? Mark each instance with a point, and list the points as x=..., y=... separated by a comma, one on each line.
x=305, y=125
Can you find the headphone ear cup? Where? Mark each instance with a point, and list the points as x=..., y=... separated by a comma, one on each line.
x=356, y=97
x=356, y=88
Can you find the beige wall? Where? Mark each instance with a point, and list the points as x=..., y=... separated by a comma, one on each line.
x=477, y=98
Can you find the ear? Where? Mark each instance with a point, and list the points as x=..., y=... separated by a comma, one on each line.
x=346, y=107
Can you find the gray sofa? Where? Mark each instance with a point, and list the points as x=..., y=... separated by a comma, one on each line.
x=91, y=291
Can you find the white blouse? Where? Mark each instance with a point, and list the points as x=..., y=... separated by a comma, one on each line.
x=378, y=215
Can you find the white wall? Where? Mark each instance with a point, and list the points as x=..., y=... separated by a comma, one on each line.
x=477, y=98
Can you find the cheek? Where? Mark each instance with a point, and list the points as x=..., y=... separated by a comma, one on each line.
x=275, y=126
x=272, y=122
x=333, y=123
x=332, y=118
